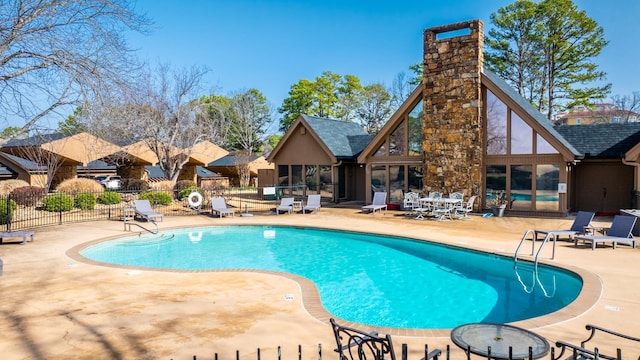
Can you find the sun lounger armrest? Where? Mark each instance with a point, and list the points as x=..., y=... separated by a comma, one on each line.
x=577, y=352
x=594, y=328
x=433, y=354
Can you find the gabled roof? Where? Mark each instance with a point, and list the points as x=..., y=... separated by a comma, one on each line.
x=344, y=139
x=528, y=109
x=25, y=164
x=341, y=140
x=608, y=141
x=156, y=174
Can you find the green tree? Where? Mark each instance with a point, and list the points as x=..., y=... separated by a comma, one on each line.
x=250, y=118
x=10, y=132
x=545, y=50
x=330, y=95
x=70, y=125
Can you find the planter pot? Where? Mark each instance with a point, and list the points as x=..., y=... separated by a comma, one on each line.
x=498, y=210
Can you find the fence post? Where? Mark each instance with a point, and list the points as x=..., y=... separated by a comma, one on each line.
x=319, y=351
x=59, y=208
x=9, y=215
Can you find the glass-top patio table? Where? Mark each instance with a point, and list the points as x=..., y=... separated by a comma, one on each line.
x=499, y=341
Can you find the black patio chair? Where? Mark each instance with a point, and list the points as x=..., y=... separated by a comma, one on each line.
x=582, y=352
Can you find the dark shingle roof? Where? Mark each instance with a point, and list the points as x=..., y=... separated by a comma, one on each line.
x=37, y=140
x=25, y=163
x=345, y=140
x=529, y=109
x=231, y=160
x=609, y=141
x=97, y=165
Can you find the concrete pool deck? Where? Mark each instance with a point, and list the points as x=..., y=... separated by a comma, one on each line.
x=55, y=306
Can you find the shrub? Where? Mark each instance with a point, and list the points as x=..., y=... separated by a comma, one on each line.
x=185, y=192
x=80, y=185
x=85, y=201
x=5, y=216
x=133, y=185
x=27, y=195
x=109, y=198
x=165, y=185
x=156, y=197
x=57, y=202
x=183, y=188
x=7, y=186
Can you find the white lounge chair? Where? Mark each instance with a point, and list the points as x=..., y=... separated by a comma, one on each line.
x=143, y=208
x=16, y=234
x=379, y=203
x=619, y=233
x=286, y=205
x=582, y=220
x=313, y=203
x=219, y=206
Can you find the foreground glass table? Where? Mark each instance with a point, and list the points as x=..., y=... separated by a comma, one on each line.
x=482, y=338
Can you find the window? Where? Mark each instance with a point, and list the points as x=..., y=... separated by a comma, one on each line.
x=521, y=187
x=398, y=141
x=547, y=179
x=378, y=182
x=578, y=121
x=415, y=130
x=326, y=185
x=496, y=125
x=521, y=136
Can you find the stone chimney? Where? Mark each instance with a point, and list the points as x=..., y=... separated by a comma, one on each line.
x=453, y=139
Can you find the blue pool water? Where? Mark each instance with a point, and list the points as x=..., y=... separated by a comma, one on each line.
x=368, y=279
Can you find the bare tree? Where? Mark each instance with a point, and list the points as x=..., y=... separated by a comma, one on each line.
x=400, y=90
x=161, y=112
x=627, y=106
x=55, y=54
x=251, y=116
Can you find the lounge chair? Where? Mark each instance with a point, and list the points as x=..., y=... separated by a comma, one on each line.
x=286, y=205
x=582, y=220
x=379, y=203
x=620, y=232
x=313, y=203
x=219, y=206
x=354, y=344
x=582, y=352
x=143, y=208
x=16, y=234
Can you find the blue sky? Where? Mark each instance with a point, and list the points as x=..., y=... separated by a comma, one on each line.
x=270, y=45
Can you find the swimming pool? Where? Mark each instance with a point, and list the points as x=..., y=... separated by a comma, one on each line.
x=369, y=279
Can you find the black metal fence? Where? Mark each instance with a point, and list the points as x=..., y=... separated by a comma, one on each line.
x=444, y=355
x=27, y=211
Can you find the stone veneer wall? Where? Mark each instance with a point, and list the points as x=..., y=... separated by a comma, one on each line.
x=453, y=138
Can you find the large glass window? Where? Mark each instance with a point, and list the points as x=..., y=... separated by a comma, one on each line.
x=398, y=141
x=415, y=179
x=496, y=125
x=311, y=178
x=415, y=130
x=521, y=136
x=521, y=181
x=382, y=150
x=547, y=179
x=283, y=175
x=396, y=183
x=378, y=182
x=543, y=147
x=496, y=181
x=326, y=185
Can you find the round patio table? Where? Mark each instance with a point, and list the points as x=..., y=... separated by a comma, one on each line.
x=478, y=338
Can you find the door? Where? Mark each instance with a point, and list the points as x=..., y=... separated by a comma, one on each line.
x=603, y=187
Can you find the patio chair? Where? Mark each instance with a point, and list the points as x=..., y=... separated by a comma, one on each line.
x=582, y=352
x=379, y=203
x=411, y=201
x=354, y=344
x=462, y=211
x=219, y=206
x=582, y=221
x=286, y=205
x=620, y=232
x=143, y=208
x=313, y=203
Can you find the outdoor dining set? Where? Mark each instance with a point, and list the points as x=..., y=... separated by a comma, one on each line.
x=437, y=206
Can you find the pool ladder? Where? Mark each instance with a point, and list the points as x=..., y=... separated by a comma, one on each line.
x=127, y=223
x=533, y=246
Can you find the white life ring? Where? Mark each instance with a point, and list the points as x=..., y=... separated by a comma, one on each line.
x=195, y=199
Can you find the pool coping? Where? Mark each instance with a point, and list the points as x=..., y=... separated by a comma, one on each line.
x=589, y=295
